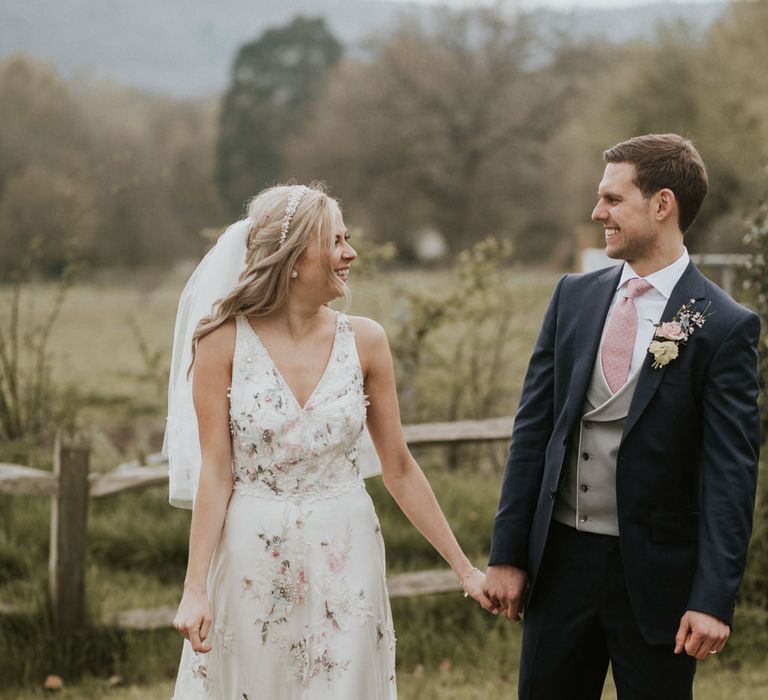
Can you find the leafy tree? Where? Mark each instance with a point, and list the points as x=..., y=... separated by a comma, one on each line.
x=42, y=120
x=105, y=174
x=274, y=81
x=438, y=128
x=733, y=120
x=45, y=217
x=46, y=214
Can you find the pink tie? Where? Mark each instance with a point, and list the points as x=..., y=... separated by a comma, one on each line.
x=620, y=333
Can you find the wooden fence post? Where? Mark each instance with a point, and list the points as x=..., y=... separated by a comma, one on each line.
x=69, y=514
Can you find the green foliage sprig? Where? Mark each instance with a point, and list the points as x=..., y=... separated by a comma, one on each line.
x=452, y=347
x=154, y=360
x=31, y=404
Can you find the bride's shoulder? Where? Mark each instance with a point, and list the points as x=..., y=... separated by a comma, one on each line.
x=367, y=331
x=371, y=341
x=220, y=342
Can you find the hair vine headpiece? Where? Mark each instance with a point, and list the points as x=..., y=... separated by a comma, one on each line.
x=294, y=199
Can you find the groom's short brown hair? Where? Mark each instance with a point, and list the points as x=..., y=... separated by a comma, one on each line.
x=665, y=161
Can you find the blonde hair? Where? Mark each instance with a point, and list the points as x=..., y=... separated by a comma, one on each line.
x=265, y=282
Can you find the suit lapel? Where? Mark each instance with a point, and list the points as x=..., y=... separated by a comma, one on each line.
x=691, y=286
x=590, y=332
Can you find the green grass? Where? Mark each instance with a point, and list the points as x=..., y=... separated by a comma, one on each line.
x=714, y=681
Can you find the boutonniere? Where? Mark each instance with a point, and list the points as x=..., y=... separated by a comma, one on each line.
x=670, y=335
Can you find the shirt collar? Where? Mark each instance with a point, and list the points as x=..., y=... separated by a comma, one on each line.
x=663, y=280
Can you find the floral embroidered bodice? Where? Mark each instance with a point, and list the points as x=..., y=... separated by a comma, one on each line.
x=285, y=450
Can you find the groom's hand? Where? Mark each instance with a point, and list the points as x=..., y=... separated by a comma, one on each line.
x=701, y=634
x=505, y=586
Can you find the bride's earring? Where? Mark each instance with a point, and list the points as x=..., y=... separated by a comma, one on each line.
x=294, y=274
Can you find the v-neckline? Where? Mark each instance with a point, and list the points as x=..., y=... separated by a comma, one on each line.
x=281, y=376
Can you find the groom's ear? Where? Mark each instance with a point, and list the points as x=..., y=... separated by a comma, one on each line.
x=664, y=204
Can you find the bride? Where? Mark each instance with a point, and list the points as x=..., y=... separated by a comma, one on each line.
x=285, y=595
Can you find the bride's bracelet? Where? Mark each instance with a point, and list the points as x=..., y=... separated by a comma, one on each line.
x=465, y=576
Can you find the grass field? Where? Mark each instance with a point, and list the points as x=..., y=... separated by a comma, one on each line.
x=713, y=682
x=447, y=648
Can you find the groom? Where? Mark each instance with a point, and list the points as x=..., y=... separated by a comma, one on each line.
x=626, y=506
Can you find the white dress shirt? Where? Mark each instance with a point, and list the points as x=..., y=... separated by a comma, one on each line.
x=649, y=306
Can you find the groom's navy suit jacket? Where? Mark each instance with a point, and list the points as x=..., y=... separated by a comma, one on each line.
x=687, y=464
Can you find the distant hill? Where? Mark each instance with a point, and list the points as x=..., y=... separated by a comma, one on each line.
x=185, y=47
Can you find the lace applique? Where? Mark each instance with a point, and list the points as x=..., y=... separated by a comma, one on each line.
x=343, y=606
x=280, y=582
x=311, y=655
x=200, y=674
x=223, y=636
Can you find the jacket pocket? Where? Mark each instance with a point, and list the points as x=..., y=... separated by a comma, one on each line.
x=674, y=527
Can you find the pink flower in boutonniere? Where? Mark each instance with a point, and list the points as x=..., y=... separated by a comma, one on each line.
x=671, y=334
x=671, y=330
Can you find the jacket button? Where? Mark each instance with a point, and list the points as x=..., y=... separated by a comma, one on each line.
x=584, y=488
x=588, y=424
x=552, y=493
x=585, y=456
x=582, y=518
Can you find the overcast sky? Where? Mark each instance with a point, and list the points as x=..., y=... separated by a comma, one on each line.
x=560, y=4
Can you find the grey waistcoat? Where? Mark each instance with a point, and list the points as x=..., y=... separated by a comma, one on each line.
x=586, y=498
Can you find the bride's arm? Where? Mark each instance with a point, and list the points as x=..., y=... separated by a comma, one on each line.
x=213, y=371
x=402, y=476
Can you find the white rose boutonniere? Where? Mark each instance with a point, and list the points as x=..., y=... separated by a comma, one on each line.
x=670, y=335
x=663, y=351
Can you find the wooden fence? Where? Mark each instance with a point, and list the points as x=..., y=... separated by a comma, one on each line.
x=71, y=484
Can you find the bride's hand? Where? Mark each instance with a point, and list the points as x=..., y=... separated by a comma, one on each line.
x=193, y=620
x=473, y=587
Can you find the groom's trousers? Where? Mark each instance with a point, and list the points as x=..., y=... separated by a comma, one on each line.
x=579, y=618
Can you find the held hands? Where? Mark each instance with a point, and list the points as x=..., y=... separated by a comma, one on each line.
x=193, y=620
x=505, y=586
x=473, y=582
x=700, y=634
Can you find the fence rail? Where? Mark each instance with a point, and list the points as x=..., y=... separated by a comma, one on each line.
x=70, y=486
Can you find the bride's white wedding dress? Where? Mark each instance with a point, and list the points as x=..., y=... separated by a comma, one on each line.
x=297, y=587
